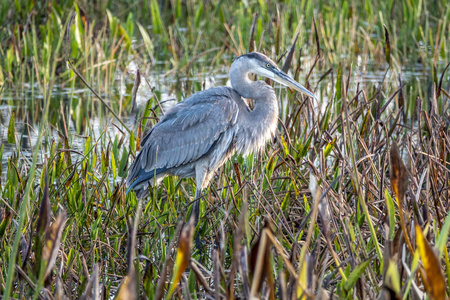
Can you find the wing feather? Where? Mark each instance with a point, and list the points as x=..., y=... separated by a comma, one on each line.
x=187, y=131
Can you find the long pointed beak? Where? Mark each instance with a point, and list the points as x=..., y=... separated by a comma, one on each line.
x=284, y=79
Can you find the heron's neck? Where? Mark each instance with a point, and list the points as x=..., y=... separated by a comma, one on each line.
x=241, y=83
x=256, y=90
x=258, y=125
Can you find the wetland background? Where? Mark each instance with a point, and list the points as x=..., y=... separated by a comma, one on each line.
x=330, y=209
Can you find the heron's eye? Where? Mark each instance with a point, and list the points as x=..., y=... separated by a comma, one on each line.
x=268, y=66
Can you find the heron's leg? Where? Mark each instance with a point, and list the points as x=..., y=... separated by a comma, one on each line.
x=200, y=177
x=196, y=206
x=196, y=213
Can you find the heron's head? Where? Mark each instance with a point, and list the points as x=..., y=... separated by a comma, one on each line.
x=262, y=65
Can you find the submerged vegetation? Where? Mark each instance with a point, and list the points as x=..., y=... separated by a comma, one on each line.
x=349, y=200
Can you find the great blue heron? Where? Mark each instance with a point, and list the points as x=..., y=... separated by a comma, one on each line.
x=196, y=136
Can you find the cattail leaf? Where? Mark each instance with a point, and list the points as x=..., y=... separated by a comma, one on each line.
x=387, y=46
x=306, y=146
x=45, y=209
x=200, y=277
x=183, y=255
x=92, y=287
x=306, y=203
x=137, y=82
x=156, y=17
x=87, y=146
x=78, y=32
x=132, y=144
x=439, y=88
x=398, y=174
x=112, y=22
x=83, y=17
x=251, y=46
x=277, y=33
x=327, y=116
x=329, y=147
x=11, y=132
x=299, y=65
x=147, y=40
x=271, y=163
x=116, y=28
x=238, y=173
x=263, y=7
x=178, y=9
x=95, y=225
x=52, y=242
x=392, y=277
x=139, y=139
x=260, y=261
x=59, y=289
x=355, y=275
x=43, y=220
x=125, y=36
x=24, y=249
x=391, y=213
x=123, y=163
x=128, y=289
x=130, y=24
x=316, y=35
x=285, y=145
x=338, y=89
x=149, y=286
x=198, y=15
x=113, y=165
x=302, y=283
x=433, y=273
x=1, y=159
x=443, y=235
x=290, y=55
x=364, y=124
x=5, y=220
x=104, y=162
x=285, y=202
x=147, y=111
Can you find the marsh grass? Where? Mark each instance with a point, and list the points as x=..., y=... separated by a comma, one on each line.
x=332, y=206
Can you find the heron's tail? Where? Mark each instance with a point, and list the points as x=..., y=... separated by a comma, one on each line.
x=142, y=178
x=129, y=189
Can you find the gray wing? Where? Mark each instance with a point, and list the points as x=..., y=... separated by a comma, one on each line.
x=188, y=130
